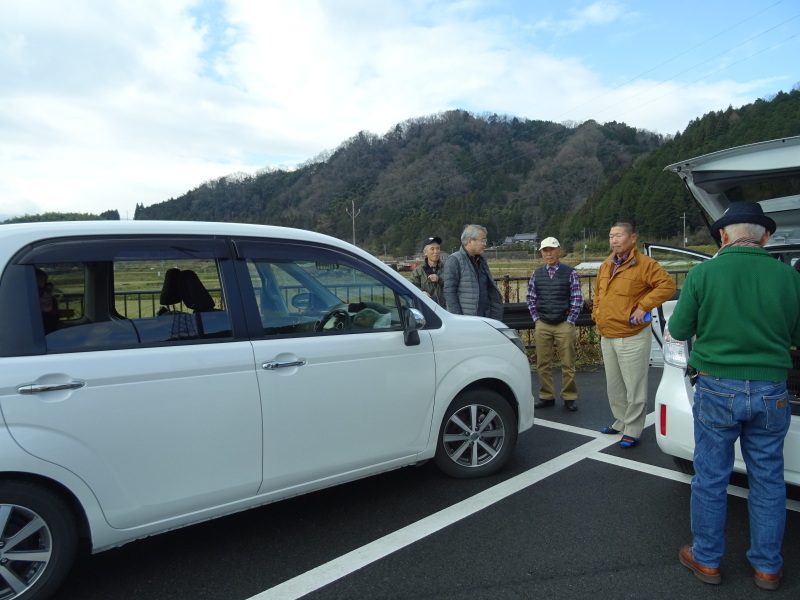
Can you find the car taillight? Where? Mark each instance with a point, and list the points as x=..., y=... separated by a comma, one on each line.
x=675, y=352
x=664, y=419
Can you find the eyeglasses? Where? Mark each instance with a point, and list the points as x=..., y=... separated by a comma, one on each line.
x=481, y=240
x=48, y=287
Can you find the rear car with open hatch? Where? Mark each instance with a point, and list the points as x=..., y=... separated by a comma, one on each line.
x=767, y=173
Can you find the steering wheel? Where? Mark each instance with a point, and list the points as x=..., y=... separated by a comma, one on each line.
x=337, y=318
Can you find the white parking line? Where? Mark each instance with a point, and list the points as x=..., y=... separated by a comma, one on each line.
x=733, y=490
x=360, y=557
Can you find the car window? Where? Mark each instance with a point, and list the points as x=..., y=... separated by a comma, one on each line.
x=65, y=284
x=677, y=261
x=134, y=298
x=322, y=293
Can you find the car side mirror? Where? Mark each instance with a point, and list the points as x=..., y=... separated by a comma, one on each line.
x=301, y=301
x=413, y=321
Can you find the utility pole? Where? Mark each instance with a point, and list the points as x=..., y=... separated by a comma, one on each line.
x=353, y=214
x=584, y=244
x=684, y=229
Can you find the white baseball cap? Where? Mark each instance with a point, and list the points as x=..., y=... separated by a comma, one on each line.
x=549, y=242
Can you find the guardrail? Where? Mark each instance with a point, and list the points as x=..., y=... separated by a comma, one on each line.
x=514, y=290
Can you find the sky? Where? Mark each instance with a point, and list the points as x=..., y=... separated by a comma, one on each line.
x=106, y=104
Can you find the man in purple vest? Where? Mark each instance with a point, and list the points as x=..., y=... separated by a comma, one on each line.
x=554, y=301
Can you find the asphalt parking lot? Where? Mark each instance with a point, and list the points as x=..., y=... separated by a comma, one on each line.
x=572, y=516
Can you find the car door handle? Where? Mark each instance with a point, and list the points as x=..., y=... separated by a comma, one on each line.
x=281, y=364
x=38, y=388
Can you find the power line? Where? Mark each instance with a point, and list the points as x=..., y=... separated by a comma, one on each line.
x=669, y=60
x=706, y=61
x=712, y=73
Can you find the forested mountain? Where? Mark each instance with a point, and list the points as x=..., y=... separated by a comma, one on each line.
x=655, y=198
x=428, y=176
x=109, y=215
x=432, y=175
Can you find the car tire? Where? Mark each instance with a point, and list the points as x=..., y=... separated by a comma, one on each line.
x=477, y=435
x=684, y=466
x=53, y=535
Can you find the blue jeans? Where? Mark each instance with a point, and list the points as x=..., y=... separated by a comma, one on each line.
x=758, y=413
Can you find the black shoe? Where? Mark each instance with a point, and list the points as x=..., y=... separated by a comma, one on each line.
x=543, y=403
x=570, y=405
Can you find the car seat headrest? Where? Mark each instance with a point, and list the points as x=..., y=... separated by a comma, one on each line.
x=170, y=290
x=194, y=294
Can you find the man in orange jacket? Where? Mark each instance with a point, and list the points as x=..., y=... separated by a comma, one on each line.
x=629, y=286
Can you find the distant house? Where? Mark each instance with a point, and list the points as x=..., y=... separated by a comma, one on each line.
x=519, y=239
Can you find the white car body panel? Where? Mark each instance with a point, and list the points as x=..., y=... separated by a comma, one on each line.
x=385, y=413
x=494, y=360
x=203, y=449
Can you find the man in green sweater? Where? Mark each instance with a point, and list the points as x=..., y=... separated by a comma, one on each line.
x=744, y=307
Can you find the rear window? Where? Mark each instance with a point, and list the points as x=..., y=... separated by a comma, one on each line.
x=113, y=293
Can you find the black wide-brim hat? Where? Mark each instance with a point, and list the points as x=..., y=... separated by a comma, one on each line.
x=742, y=212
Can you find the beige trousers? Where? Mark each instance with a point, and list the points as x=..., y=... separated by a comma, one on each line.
x=626, y=361
x=561, y=337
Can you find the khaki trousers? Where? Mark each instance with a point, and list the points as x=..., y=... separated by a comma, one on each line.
x=561, y=337
x=626, y=361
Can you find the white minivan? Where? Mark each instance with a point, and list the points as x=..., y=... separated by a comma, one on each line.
x=766, y=172
x=158, y=374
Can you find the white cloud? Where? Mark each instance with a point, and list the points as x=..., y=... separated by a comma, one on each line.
x=597, y=13
x=110, y=103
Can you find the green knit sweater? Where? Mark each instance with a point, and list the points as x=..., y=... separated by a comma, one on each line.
x=744, y=307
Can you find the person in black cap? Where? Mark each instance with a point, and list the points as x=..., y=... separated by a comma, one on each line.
x=744, y=307
x=429, y=276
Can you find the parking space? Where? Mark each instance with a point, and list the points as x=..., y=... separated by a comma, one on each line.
x=573, y=516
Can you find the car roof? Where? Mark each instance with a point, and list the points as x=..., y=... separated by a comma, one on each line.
x=16, y=235
x=765, y=172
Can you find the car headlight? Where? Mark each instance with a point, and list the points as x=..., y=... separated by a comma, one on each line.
x=512, y=335
x=675, y=351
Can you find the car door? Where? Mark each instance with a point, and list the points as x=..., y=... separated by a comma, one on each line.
x=343, y=392
x=678, y=261
x=156, y=408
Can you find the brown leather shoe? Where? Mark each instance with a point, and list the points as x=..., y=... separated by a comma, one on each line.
x=704, y=574
x=767, y=581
